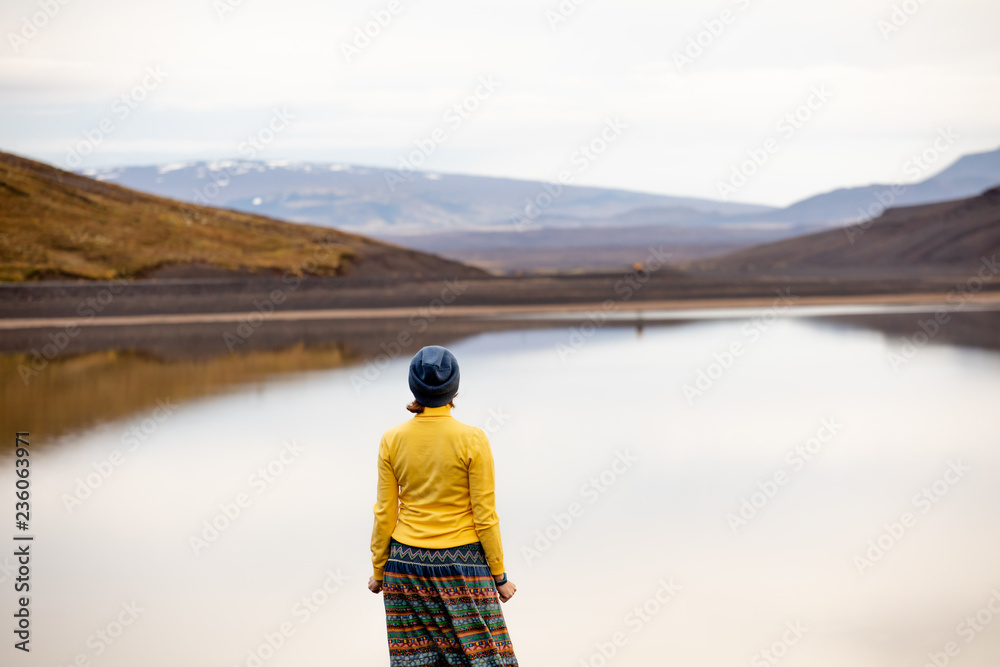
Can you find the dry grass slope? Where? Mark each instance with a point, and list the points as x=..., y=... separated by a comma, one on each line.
x=56, y=224
x=930, y=237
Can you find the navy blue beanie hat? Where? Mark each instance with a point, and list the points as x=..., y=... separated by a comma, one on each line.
x=434, y=376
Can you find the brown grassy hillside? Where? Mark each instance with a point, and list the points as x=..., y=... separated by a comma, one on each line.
x=931, y=237
x=56, y=224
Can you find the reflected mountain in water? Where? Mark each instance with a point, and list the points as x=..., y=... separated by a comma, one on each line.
x=78, y=392
x=109, y=373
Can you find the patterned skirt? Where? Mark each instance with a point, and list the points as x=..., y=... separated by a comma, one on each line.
x=442, y=608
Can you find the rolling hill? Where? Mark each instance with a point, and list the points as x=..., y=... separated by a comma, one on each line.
x=56, y=224
x=944, y=238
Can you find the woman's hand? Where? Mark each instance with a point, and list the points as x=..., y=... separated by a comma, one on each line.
x=374, y=585
x=506, y=591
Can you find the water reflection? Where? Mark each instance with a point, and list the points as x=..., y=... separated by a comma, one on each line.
x=76, y=392
x=279, y=579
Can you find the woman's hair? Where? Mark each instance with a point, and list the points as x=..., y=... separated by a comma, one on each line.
x=417, y=408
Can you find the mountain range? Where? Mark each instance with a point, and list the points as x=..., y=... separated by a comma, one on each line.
x=969, y=176
x=956, y=237
x=510, y=225
x=57, y=224
x=374, y=200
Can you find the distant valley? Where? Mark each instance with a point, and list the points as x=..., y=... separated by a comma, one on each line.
x=508, y=225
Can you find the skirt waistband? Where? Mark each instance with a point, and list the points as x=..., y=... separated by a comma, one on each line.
x=466, y=554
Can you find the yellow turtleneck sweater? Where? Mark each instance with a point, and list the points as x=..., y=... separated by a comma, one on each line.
x=435, y=488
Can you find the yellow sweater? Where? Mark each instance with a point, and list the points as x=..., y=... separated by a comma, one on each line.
x=435, y=488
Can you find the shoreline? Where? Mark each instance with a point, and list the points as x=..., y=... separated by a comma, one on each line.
x=917, y=302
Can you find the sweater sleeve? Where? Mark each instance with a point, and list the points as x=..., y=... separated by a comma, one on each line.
x=483, y=495
x=386, y=510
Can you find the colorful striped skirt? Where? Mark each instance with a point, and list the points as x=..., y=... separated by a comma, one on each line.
x=442, y=608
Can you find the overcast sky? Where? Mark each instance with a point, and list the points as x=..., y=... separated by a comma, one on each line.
x=879, y=91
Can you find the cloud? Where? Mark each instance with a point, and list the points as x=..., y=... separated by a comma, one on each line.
x=606, y=59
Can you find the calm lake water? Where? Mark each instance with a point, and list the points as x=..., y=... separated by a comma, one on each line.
x=812, y=505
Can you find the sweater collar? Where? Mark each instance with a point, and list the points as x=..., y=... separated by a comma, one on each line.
x=443, y=411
